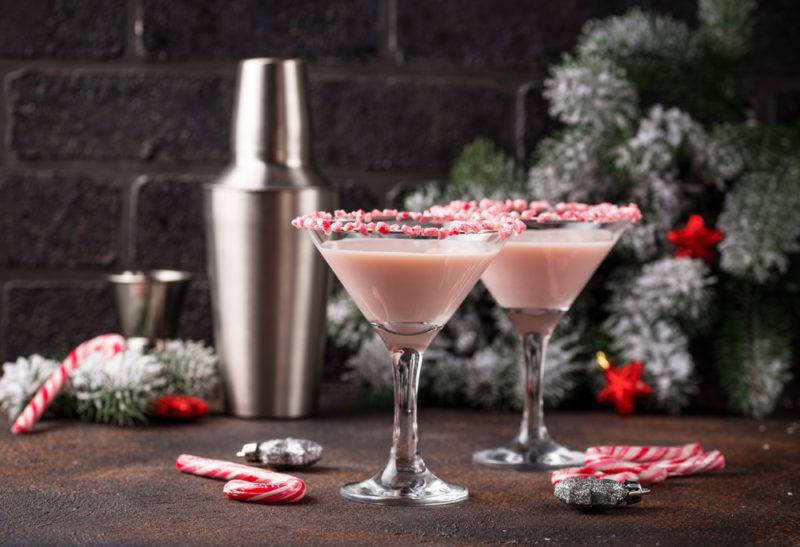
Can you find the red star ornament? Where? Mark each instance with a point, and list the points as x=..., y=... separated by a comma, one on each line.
x=179, y=407
x=623, y=385
x=695, y=240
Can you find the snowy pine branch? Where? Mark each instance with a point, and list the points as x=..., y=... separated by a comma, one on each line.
x=647, y=318
x=575, y=155
x=636, y=35
x=755, y=351
x=21, y=380
x=592, y=93
x=189, y=368
x=761, y=222
x=117, y=390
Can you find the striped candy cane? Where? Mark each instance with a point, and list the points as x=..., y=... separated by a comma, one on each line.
x=260, y=492
x=645, y=464
x=245, y=483
x=109, y=344
x=701, y=463
x=222, y=470
x=585, y=472
x=642, y=454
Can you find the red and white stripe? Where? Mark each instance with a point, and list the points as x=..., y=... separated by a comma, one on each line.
x=643, y=453
x=245, y=483
x=645, y=464
x=586, y=472
x=222, y=470
x=109, y=344
x=260, y=492
x=701, y=463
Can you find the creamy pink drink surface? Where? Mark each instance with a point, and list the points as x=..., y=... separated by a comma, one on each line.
x=541, y=272
x=408, y=285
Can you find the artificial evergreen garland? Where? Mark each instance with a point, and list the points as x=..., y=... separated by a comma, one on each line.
x=650, y=112
x=119, y=391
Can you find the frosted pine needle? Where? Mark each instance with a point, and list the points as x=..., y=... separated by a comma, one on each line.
x=21, y=380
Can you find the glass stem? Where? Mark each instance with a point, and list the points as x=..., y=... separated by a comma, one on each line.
x=406, y=363
x=532, y=430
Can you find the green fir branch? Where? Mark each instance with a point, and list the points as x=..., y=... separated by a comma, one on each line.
x=726, y=26
x=754, y=349
x=482, y=170
x=483, y=165
x=668, y=64
x=761, y=222
x=125, y=408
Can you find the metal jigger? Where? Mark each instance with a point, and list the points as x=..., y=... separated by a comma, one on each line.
x=268, y=283
x=149, y=304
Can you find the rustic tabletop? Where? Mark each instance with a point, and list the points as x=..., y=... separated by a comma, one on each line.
x=76, y=483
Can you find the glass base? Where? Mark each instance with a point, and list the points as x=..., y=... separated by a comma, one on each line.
x=411, y=489
x=538, y=456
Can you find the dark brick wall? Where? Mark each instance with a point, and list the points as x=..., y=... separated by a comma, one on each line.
x=114, y=112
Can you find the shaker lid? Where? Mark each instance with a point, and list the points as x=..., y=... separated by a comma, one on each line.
x=271, y=127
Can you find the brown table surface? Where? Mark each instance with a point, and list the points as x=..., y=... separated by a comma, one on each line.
x=77, y=483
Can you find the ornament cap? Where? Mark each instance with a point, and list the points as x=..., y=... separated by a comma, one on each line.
x=249, y=452
x=603, y=362
x=635, y=492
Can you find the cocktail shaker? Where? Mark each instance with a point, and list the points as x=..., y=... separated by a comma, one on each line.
x=268, y=283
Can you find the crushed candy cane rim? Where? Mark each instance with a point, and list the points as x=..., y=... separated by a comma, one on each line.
x=410, y=224
x=539, y=211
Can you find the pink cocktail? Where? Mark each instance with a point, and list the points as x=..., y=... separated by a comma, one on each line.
x=534, y=279
x=407, y=273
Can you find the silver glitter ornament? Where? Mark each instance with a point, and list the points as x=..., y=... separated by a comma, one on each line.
x=286, y=453
x=590, y=494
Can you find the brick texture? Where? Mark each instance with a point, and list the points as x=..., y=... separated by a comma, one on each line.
x=536, y=124
x=503, y=34
x=51, y=319
x=119, y=116
x=787, y=106
x=355, y=194
x=169, y=231
x=65, y=29
x=776, y=42
x=398, y=124
x=235, y=29
x=59, y=221
x=367, y=123
x=195, y=320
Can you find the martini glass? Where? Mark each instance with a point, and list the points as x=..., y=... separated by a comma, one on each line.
x=407, y=285
x=535, y=279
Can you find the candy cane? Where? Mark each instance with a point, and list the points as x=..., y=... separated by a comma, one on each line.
x=645, y=464
x=259, y=492
x=109, y=344
x=585, y=472
x=702, y=463
x=246, y=483
x=222, y=470
x=609, y=464
x=641, y=454
x=652, y=475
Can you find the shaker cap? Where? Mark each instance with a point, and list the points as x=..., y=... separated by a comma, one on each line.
x=271, y=128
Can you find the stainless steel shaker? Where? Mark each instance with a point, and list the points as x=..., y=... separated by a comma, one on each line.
x=268, y=283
